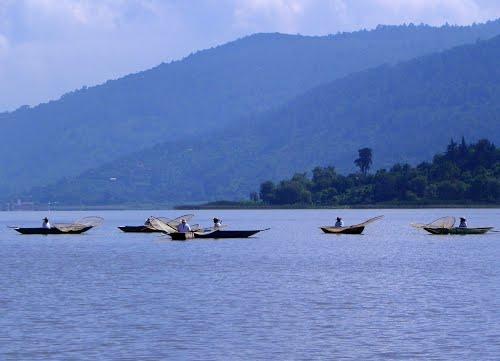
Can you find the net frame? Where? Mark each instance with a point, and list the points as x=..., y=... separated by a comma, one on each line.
x=368, y=221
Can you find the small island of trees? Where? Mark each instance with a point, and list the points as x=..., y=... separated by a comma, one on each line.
x=464, y=174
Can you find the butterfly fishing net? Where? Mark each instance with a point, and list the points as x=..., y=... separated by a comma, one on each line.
x=79, y=224
x=90, y=221
x=160, y=225
x=444, y=222
x=176, y=221
x=371, y=220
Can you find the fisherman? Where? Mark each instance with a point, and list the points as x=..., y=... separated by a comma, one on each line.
x=148, y=222
x=217, y=223
x=463, y=223
x=46, y=223
x=339, y=223
x=183, y=227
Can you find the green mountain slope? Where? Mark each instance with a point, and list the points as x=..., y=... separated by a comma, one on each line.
x=405, y=112
x=206, y=91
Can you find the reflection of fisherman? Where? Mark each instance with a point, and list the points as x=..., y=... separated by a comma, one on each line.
x=463, y=223
x=217, y=223
x=339, y=223
x=46, y=223
x=183, y=227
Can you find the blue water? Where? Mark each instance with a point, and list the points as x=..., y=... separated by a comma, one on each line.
x=292, y=292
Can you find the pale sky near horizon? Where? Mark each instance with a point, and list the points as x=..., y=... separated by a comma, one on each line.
x=49, y=47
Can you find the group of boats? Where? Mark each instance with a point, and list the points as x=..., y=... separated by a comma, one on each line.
x=152, y=225
x=170, y=227
x=441, y=226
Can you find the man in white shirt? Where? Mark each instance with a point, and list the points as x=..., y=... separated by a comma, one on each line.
x=183, y=227
x=339, y=223
x=46, y=223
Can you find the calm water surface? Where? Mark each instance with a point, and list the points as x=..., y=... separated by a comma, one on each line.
x=292, y=293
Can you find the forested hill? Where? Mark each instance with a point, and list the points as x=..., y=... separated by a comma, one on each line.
x=405, y=113
x=203, y=92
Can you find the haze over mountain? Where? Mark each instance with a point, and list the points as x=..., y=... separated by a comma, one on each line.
x=405, y=112
x=193, y=97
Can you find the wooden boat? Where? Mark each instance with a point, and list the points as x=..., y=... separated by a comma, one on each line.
x=181, y=236
x=217, y=234
x=139, y=229
x=79, y=226
x=354, y=229
x=458, y=230
x=53, y=230
x=344, y=230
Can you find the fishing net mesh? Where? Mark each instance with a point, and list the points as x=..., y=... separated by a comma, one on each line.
x=445, y=222
x=160, y=225
x=80, y=224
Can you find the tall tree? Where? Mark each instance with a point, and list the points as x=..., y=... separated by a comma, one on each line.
x=267, y=190
x=364, y=161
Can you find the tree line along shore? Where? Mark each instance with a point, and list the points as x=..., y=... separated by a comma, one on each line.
x=464, y=175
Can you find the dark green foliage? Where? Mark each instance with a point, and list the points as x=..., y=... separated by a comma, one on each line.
x=405, y=113
x=364, y=162
x=463, y=174
x=267, y=192
x=189, y=99
x=254, y=197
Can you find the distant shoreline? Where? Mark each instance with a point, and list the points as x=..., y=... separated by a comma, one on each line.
x=145, y=207
x=370, y=206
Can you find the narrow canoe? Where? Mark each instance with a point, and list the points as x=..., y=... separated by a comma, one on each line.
x=458, y=230
x=218, y=234
x=344, y=230
x=139, y=229
x=227, y=234
x=46, y=231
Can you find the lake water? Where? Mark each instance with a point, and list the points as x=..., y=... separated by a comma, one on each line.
x=291, y=293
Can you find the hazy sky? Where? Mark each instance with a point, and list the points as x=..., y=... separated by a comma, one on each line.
x=48, y=47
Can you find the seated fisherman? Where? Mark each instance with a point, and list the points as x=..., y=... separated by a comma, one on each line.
x=46, y=223
x=217, y=223
x=463, y=223
x=339, y=223
x=183, y=227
